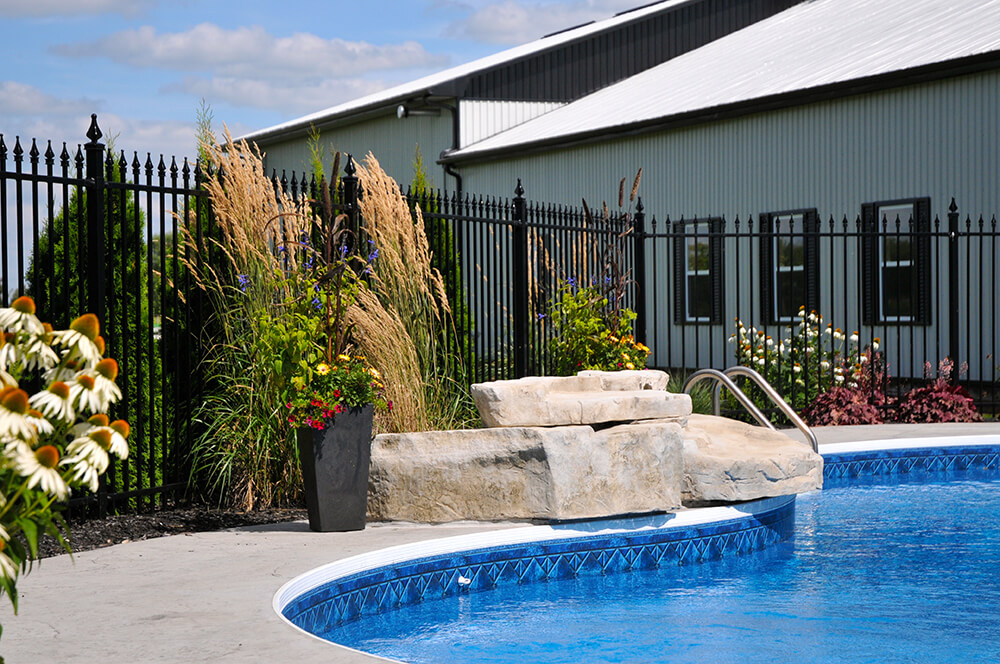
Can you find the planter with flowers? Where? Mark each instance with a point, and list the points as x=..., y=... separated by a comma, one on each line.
x=332, y=406
x=331, y=396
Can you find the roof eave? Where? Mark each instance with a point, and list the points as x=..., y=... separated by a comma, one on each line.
x=923, y=74
x=377, y=109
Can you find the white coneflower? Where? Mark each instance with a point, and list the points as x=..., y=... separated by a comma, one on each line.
x=120, y=430
x=8, y=568
x=87, y=450
x=14, y=420
x=84, y=396
x=80, y=339
x=64, y=372
x=37, y=354
x=41, y=468
x=20, y=317
x=41, y=424
x=104, y=375
x=54, y=402
x=854, y=337
x=83, y=471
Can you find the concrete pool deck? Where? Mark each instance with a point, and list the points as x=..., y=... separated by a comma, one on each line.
x=206, y=597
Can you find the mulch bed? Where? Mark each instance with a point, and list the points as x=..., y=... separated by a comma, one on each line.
x=87, y=534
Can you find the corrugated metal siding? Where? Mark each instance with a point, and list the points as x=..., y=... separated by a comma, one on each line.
x=815, y=44
x=570, y=70
x=480, y=119
x=938, y=139
x=393, y=142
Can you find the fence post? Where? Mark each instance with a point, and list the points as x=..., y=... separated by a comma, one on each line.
x=953, y=297
x=519, y=256
x=350, y=182
x=95, y=221
x=639, y=253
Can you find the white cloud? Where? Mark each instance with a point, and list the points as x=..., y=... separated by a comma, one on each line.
x=251, y=52
x=514, y=22
x=21, y=99
x=26, y=8
x=285, y=96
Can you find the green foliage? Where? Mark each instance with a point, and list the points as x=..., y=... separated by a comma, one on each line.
x=701, y=394
x=586, y=336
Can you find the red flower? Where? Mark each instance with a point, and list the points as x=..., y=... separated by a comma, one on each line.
x=288, y=405
x=336, y=394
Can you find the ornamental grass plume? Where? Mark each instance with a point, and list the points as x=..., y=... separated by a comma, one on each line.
x=246, y=456
x=39, y=466
x=403, y=318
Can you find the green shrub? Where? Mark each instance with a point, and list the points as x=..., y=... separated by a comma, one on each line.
x=585, y=338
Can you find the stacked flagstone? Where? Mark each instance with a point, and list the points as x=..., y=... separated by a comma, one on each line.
x=592, y=445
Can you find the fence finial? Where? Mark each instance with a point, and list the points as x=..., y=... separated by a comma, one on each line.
x=519, y=189
x=94, y=133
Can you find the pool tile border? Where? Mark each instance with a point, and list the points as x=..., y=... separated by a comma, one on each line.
x=571, y=550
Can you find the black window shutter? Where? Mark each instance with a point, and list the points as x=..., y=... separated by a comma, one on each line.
x=680, y=277
x=766, y=268
x=869, y=264
x=716, y=261
x=810, y=224
x=922, y=262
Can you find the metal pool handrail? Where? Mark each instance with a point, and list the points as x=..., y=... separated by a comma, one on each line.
x=721, y=378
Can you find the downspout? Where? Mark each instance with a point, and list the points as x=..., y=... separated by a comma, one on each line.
x=404, y=111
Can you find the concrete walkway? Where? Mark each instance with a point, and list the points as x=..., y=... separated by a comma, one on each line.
x=207, y=597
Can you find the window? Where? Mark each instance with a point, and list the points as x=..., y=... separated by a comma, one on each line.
x=895, y=248
x=789, y=260
x=698, y=271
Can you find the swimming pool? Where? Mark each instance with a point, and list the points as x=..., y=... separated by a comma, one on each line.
x=694, y=612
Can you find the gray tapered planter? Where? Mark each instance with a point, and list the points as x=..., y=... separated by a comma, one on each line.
x=335, y=463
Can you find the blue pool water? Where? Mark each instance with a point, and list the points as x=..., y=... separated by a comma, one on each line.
x=883, y=570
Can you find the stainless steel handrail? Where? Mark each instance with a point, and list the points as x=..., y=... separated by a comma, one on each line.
x=723, y=378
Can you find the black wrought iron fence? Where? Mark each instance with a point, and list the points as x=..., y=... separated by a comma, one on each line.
x=99, y=232
x=88, y=230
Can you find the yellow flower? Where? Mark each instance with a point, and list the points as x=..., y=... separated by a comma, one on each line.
x=374, y=372
x=344, y=358
x=629, y=365
x=322, y=368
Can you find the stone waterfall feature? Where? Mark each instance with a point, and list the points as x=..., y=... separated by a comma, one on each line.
x=592, y=445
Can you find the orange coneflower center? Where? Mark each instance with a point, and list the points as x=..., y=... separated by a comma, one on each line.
x=24, y=304
x=14, y=400
x=122, y=427
x=47, y=456
x=98, y=420
x=87, y=325
x=102, y=437
x=60, y=389
x=86, y=381
x=99, y=342
x=108, y=368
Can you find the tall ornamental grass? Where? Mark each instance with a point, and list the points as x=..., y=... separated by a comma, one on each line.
x=246, y=456
x=403, y=319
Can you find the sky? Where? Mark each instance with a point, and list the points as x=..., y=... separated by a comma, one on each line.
x=147, y=66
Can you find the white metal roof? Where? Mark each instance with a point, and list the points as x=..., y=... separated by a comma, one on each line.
x=813, y=44
x=421, y=85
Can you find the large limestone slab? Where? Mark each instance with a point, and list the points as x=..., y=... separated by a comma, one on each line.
x=730, y=461
x=525, y=473
x=589, y=398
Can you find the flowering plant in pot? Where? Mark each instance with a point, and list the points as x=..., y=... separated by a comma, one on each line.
x=54, y=441
x=331, y=395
